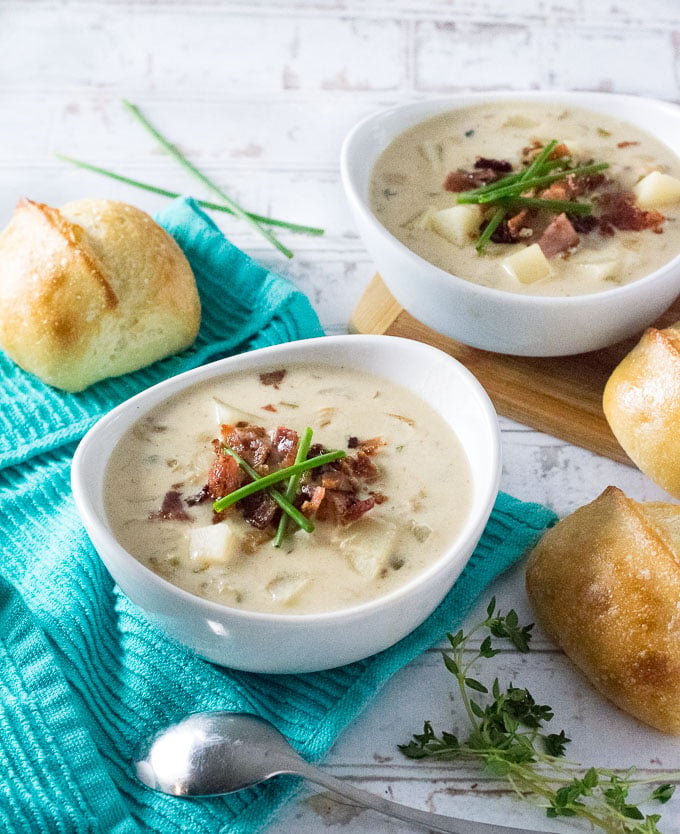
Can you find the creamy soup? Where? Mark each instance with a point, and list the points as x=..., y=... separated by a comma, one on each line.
x=419, y=178
x=409, y=490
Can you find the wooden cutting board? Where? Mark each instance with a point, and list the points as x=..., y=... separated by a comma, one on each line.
x=561, y=396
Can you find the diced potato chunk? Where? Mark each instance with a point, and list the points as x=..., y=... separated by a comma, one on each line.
x=458, y=224
x=657, y=189
x=600, y=270
x=528, y=264
x=287, y=588
x=216, y=544
x=369, y=546
x=230, y=414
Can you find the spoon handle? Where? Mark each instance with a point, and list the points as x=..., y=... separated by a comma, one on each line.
x=427, y=819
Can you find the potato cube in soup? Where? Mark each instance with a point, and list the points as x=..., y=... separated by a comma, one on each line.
x=458, y=224
x=527, y=265
x=369, y=546
x=216, y=544
x=600, y=270
x=286, y=589
x=657, y=189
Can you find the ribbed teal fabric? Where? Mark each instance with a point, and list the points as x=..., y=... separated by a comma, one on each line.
x=83, y=676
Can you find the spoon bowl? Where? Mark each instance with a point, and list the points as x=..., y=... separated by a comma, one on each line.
x=217, y=753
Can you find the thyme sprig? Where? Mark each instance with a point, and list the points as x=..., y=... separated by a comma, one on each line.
x=507, y=737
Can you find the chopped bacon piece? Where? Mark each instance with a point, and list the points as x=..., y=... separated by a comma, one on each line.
x=270, y=407
x=585, y=183
x=620, y=211
x=343, y=507
x=352, y=442
x=516, y=223
x=273, y=377
x=284, y=446
x=361, y=466
x=371, y=446
x=259, y=510
x=500, y=165
x=466, y=180
x=626, y=144
x=224, y=476
x=583, y=224
x=560, y=190
x=313, y=496
x=172, y=508
x=559, y=237
x=250, y=442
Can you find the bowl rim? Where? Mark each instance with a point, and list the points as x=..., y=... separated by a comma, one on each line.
x=461, y=100
x=466, y=539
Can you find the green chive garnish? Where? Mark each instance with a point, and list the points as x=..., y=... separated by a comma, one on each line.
x=275, y=478
x=164, y=192
x=179, y=156
x=291, y=490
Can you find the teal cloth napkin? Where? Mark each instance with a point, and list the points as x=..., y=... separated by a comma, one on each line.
x=83, y=675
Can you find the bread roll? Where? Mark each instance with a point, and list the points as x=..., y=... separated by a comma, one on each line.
x=642, y=405
x=605, y=585
x=92, y=290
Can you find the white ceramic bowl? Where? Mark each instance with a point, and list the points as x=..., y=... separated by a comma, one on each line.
x=302, y=643
x=493, y=319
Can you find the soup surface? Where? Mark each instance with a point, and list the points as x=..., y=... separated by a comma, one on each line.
x=425, y=169
x=408, y=492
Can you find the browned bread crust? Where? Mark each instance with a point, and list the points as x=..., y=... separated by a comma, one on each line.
x=91, y=290
x=641, y=402
x=605, y=585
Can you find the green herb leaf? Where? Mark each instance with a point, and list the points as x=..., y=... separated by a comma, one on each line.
x=507, y=739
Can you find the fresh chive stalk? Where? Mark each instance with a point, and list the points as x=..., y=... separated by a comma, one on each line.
x=275, y=478
x=228, y=201
x=282, y=501
x=292, y=487
x=534, y=182
x=164, y=192
x=500, y=212
x=506, y=193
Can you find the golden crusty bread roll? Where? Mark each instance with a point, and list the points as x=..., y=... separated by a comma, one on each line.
x=91, y=290
x=605, y=586
x=641, y=402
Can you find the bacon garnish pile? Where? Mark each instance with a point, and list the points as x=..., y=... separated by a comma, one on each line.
x=336, y=492
x=558, y=236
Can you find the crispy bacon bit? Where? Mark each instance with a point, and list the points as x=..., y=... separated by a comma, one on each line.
x=620, y=211
x=583, y=224
x=313, y=496
x=343, y=507
x=501, y=234
x=585, y=183
x=273, y=377
x=270, y=407
x=259, y=510
x=560, y=190
x=352, y=442
x=467, y=180
x=517, y=224
x=371, y=446
x=224, y=476
x=172, y=508
x=250, y=442
x=500, y=165
x=284, y=446
x=559, y=237
x=200, y=497
x=626, y=144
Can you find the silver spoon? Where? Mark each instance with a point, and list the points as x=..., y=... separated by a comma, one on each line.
x=215, y=753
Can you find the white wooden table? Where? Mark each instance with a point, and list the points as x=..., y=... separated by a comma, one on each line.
x=260, y=95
